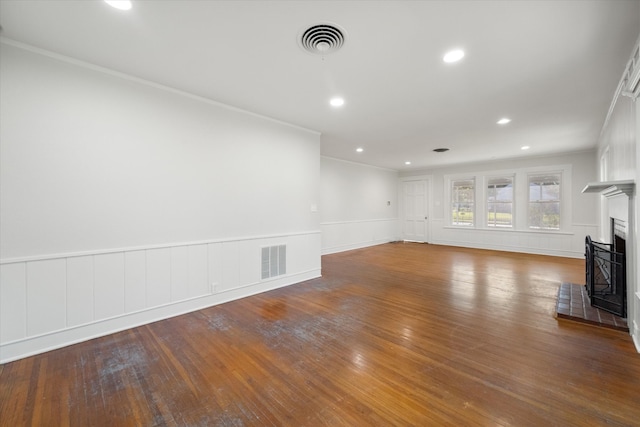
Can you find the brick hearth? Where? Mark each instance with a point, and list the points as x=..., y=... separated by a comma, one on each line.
x=573, y=304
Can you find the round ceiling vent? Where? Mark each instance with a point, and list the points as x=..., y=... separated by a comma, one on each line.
x=322, y=39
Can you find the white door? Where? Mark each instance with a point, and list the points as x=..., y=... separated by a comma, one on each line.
x=414, y=221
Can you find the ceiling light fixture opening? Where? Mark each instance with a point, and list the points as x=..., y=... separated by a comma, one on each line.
x=119, y=4
x=359, y=149
x=441, y=150
x=336, y=102
x=503, y=121
x=525, y=147
x=453, y=56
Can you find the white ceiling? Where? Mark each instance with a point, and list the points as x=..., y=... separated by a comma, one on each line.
x=551, y=66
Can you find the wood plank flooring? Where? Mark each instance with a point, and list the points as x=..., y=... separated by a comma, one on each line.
x=392, y=335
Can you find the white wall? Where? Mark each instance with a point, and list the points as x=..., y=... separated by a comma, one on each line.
x=619, y=158
x=580, y=209
x=617, y=141
x=123, y=202
x=618, y=151
x=634, y=283
x=358, y=205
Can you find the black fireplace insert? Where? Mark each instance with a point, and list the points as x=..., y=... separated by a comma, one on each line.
x=606, y=274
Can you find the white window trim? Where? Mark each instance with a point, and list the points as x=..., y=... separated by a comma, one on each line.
x=520, y=199
x=559, y=200
x=513, y=200
x=449, y=183
x=565, y=197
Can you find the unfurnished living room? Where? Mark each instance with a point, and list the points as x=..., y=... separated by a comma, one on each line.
x=308, y=213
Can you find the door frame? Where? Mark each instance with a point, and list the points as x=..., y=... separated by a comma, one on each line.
x=428, y=208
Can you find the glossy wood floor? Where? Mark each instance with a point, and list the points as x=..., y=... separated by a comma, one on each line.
x=397, y=334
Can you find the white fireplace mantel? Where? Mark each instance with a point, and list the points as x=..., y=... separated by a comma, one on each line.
x=611, y=188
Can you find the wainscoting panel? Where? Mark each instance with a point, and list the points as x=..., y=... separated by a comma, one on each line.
x=347, y=235
x=179, y=273
x=135, y=281
x=46, y=296
x=80, y=289
x=249, y=261
x=634, y=327
x=108, y=285
x=13, y=302
x=158, y=277
x=214, y=264
x=230, y=266
x=197, y=271
x=567, y=244
x=56, y=301
x=303, y=251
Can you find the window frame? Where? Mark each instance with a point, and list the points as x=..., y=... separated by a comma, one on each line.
x=512, y=202
x=520, y=198
x=452, y=200
x=559, y=200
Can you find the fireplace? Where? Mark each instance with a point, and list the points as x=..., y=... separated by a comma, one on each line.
x=606, y=273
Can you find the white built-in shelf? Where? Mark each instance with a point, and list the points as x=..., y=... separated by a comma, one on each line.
x=611, y=188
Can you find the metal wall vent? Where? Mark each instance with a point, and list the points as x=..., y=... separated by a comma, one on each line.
x=274, y=261
x=322, y=39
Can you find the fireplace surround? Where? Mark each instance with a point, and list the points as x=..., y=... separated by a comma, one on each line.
x=619, y=202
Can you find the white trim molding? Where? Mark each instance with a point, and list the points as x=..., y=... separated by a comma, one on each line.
x=611, y=188
x=348, y=235
x=57, y=300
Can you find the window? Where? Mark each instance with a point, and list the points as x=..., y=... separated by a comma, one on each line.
x=462, y=202
x=544, y=201
x=500, y=202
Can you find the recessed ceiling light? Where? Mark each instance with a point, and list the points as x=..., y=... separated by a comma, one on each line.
x=119, y=4
x=503, y=121
x=407, y=163
x=441, y=150
x=359, y=149
x=525, y=147
x=336, y=102
x=453, y=56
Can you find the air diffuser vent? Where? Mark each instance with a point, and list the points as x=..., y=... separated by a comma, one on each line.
x=322, y=39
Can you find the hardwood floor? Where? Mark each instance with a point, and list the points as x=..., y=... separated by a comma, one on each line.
x=396, y=334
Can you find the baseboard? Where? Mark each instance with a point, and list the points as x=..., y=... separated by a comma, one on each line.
x=30, y=346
